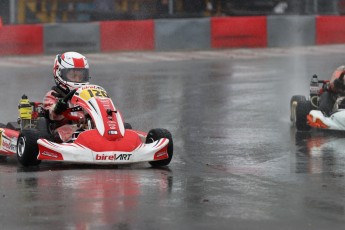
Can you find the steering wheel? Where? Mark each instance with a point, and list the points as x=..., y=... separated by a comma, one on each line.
x=67, y=113
x=69, y=95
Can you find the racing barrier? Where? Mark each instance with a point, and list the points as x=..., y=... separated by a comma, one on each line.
x=182, y=34
x=173, y=34
x=330, y=30
x=21, y=39
x=286, y=31
x=238, y=32
x=83, y=37
x=127, y=35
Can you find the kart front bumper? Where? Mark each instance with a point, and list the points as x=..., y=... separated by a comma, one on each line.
x=75, y=152
x=336, y=121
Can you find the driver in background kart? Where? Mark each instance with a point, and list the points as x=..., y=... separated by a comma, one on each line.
x=332, y=90
x=71, y=71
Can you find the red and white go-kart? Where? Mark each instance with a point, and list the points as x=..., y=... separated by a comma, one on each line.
x=103, y=137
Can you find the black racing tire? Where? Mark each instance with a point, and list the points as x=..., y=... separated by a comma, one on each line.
x=27, y=147
x=293, y=104
x=127, y=125
x=302, y=110
x=156, y=134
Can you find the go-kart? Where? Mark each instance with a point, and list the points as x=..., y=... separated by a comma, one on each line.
x=305, y=113
x=102, y=136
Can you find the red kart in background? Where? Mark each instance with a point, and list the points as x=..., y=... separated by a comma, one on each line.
x=102, y=137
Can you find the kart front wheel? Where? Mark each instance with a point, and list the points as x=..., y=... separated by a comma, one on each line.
x=295, y=100
x=302, y=110
x=156, y=134
x=27, y=147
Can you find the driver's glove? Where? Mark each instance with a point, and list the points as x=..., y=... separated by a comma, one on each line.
x=326, y=87
x=60, y=106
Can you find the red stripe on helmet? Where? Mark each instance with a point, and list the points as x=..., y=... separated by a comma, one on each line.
x=78, y=62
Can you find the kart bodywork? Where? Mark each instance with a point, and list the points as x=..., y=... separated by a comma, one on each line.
x=102, y=137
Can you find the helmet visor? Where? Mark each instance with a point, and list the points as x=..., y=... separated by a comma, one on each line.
x=77, y=75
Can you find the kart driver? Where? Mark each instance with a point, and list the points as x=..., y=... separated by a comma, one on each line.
x=332, y=90
x=71, y=71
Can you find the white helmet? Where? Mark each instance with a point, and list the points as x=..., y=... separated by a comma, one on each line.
x=71, y=70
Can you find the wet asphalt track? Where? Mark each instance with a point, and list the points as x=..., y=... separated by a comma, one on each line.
x=238, y=163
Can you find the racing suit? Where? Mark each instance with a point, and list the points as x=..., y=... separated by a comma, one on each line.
x=62, y=129
x=332, y=91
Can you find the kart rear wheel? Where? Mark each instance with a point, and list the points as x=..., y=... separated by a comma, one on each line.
x=293, y=104
x=156, y=134
x=302, y=110
x=27, y=147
